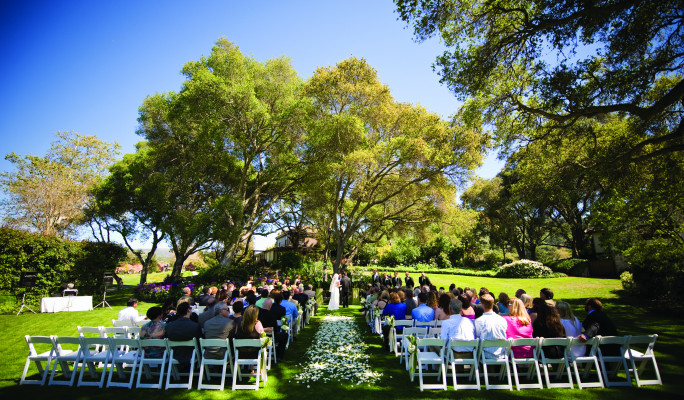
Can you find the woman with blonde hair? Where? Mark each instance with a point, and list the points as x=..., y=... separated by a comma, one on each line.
x=529, y=306
x=519, y=327
x=249, y=328
x=572, y=326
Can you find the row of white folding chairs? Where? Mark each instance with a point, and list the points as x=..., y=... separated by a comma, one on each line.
x=110, y=331
x=376, y=321
x=633, y=349
x=131, y=357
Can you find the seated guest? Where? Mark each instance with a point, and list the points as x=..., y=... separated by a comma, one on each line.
x=529, y=306
x=442, y=311
x=382, y=300
x=432, y=300
x=423, y=313
x=155, y=329
x=598, y=323
x=519, y=293
x=130, y=314
x=249, y=328
x=548, y=325
x=397, y=309
x=182, y=329
x=169, y=310
x=290, y=307
x=218, y=327
x=572, y=325
x=546, y=294
x=186, y=297
x=467, y=306
x=208, y=312
x=409, y=301
x=457, y=327
x=519, y=327
x=490, y=326
x=70, y=291
x=264, y=296
x=202, y=298
x=269, y=320
x=503, y=303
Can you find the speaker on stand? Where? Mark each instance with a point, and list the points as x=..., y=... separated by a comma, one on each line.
x=28, y=281
x=107, y=280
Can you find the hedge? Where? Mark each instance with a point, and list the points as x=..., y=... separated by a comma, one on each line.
x=56, y=262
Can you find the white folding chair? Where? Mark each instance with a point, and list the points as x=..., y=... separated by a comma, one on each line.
x=532, y=362
x=434, y=332
x=173, y=371
x=620, y=359
x=146, y=362
x=125, y=352
x=424, y=324
x=210, y=358
x=420, y=333
x=254, y=363
x=472, y=347
x=96, y=350
x=438, y=323
x=501, y=360
x=133, y=332
x=270, y=351
x=586, y=362
x=430, y=352
x=37, y=358
x=125, y=322
x=396, y=346
x=562, y=363
x=644, y=355
x=63, y=357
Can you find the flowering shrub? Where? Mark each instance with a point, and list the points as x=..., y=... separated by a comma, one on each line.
x=524, y=269
x=158, y=292
x=628, y=283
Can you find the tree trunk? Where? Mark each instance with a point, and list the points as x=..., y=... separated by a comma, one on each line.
x=177, y=267
x=119, y=281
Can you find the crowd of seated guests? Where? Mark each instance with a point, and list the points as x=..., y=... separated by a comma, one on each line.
x=467, y=313
x=230, y=312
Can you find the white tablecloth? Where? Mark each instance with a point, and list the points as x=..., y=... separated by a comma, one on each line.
x=68, y=303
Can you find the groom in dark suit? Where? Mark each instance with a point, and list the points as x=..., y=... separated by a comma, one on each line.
x=345, y=286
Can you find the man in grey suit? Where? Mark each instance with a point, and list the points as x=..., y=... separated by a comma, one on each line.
x=345, y=285
x=218, y=327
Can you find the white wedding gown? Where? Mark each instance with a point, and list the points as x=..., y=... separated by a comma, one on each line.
x=334, y=303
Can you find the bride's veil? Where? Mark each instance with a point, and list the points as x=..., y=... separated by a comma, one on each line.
x=332, y=282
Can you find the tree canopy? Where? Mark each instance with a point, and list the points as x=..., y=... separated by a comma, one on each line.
x=48, y=194
x=377, y=164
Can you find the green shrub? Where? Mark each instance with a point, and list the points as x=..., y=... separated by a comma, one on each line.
x=570, y=266
x=524, y=269
x=628, y=283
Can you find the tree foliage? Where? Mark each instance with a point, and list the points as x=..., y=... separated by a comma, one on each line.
x=377, y=165
x=47, y=194
x=550, y=64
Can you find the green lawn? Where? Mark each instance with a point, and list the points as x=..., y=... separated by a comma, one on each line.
x=631, y=316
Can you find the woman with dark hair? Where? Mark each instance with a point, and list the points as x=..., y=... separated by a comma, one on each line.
x=503, y=303
x=155, y=329
x=235, y=296
x=169, y=310
x=409, y=301
x=548, y=325
x=443, y=312
x=467, y=310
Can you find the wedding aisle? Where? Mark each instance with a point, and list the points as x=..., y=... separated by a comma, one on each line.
x=337, y=353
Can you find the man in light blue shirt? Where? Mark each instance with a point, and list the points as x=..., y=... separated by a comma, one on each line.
x=290, y=308
x=423, y=313
x=490, y=326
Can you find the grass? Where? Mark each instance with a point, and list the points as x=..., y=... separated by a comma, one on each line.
x=629, y=314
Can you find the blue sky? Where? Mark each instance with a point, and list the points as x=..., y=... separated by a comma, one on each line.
x=86, y=66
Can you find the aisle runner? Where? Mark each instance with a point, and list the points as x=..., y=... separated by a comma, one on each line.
x=338, y=354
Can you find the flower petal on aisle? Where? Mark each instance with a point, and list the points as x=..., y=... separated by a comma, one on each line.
x=337, y=353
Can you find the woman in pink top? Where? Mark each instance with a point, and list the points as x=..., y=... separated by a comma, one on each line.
x=519, y=327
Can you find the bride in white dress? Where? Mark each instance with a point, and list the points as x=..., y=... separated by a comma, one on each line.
x=334, y=303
